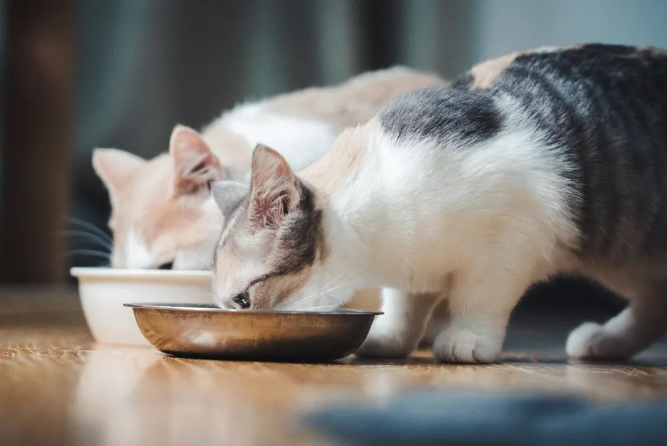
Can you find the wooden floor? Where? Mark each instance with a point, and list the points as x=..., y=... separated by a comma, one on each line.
x=58, y=387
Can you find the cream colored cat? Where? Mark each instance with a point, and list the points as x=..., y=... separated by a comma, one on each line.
x=163, y=214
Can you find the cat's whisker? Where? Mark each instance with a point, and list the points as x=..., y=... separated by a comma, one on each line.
x=332, y=286
x=90, y=236
x=202, y=304
x=207, y=265
x=91, y=227
x=323, y=293
x=305, y=300
x=322, y=308
x=335, y=284
x=87, y=252
x=312, y=296
x=205, y=294
x=302, y=301
x=331, y=289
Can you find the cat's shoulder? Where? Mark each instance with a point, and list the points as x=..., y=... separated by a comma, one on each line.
x=442, y=113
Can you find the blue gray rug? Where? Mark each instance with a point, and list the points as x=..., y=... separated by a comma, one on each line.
x=445, y=418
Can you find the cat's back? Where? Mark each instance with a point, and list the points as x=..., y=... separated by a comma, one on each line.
x=589, y=92
x=601, y=66
x=596, y=113
x=603, y=94
x=604, y=108
x=355, y=101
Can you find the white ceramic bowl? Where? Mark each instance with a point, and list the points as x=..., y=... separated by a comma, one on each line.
x=103, y=292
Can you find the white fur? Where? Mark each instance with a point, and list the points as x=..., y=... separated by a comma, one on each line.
x=137, y=254
x=299, y=140
x=478, y=224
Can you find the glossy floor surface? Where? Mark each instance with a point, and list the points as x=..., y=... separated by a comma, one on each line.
x=58, y=387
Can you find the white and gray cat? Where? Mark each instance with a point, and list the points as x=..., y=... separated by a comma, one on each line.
x=534, y=164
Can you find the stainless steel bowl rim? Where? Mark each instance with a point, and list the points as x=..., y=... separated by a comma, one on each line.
x=215, y=309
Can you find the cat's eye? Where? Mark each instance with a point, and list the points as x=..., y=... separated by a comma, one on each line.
x=242, y=299
x=168, y=265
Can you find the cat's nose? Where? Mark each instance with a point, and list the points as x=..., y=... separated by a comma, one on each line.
x=242, y=300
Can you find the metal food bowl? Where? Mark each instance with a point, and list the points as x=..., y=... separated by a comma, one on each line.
x=207, y=331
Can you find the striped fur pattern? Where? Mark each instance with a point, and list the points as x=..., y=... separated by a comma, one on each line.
x=538, y=163
x=605, y=108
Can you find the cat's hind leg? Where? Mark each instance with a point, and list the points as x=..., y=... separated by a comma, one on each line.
x=396, y=333
x=635, y=328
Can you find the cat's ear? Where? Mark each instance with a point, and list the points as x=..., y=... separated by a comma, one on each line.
x=275, y=190
x=115, y=168
x=195, y=165
x=227, y=195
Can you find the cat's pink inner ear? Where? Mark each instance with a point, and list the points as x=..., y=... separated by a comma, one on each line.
x=195, y=165
x=275, y=189
x=115, y=168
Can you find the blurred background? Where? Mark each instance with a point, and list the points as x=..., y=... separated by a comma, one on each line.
x=120, y=73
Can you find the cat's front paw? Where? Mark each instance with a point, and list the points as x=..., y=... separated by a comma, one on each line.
x=464, y=346
x=592, y=341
